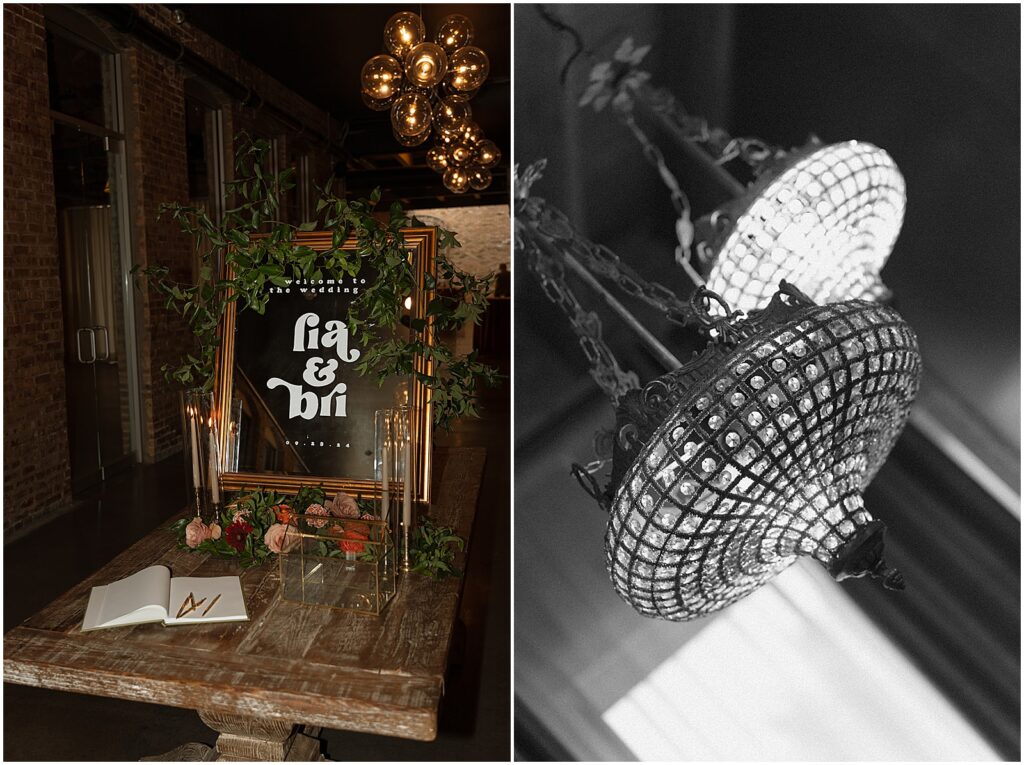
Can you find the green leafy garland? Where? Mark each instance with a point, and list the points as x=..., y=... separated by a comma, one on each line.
x=260, y=251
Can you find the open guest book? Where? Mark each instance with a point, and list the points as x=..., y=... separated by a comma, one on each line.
x=152, y=595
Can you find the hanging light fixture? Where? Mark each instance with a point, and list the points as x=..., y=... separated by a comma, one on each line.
x=728, y=468
x=757, y=453
x=823, y=218
x=427, y=87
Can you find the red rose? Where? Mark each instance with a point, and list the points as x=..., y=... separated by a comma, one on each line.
x=352, y=546
x=236, y=533
x=352, y=536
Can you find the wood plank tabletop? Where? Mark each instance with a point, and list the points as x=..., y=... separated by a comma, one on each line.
x=292, y=662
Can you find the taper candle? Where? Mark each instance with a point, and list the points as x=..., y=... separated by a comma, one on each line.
x=214, y=478
x=195, y=447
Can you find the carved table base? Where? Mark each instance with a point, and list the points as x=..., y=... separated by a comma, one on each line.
x=246, y=739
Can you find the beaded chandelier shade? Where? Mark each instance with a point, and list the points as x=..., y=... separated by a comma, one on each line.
x=761, y=458
x=824, y=220
x=427, y=87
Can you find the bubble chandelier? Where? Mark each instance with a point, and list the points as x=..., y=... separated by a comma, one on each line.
x=824, y=218
x=728, y=468
x=427, y=87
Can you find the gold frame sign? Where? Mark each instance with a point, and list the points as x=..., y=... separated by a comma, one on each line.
x=282, y=423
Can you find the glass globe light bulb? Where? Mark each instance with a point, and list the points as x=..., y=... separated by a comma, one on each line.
x=381, y=77
x=468, y=132
x=437, y=159
x=456, y=179
x=403, y=32
x=479, y=178
x=467, y=69
x=410, y=114
x=452, y=113
x=461, y=154
x=487, y=153
x=455, y=32
x=472, y=133
x=426, y=65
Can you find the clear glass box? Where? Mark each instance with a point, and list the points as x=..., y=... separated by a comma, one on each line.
x=344, y=563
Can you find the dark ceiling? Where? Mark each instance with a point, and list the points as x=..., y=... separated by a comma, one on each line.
x=319, y=50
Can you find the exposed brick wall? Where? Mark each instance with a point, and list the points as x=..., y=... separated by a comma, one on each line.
x=36, y=464
x=37, y=474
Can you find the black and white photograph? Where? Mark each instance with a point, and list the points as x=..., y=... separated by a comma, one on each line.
x=767, y=382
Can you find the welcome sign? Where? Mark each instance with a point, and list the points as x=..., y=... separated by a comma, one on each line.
x=305, y=407
x=307, y=413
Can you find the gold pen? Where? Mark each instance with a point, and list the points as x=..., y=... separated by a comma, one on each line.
x=186, y=601
x=211, y=604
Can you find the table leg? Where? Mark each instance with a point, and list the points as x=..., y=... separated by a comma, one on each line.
x=249, y=739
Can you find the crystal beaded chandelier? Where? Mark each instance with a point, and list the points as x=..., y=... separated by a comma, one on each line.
x=728, y=468
x=427, y=86
x=757, y=453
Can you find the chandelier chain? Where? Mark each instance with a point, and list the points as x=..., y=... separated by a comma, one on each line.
x=542, y=229
x=684, y=221
x=717, y=142
x=553, y=224
x=604, y=367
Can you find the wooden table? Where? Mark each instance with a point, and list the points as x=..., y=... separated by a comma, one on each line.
x=267, y=685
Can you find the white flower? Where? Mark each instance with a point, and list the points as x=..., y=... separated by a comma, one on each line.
x=613, y=81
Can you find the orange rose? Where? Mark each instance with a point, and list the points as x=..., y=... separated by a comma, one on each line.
x=283, y=512
x=347, y=545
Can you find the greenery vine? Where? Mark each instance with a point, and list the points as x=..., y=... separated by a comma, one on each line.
x=432, y=552
x=261, y=253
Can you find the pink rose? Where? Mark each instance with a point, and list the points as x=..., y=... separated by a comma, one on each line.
x=214, y=531
x=278, y=540
x=316, y=509
x=344, y=506
x=196, y=532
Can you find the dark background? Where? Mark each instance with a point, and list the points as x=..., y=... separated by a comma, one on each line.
x=937, y=87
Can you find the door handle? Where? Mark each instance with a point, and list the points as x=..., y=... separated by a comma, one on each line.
x=92, y=345
x=106, y=341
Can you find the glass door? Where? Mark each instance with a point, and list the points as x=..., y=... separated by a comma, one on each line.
x=93, y=302
x=86, y=110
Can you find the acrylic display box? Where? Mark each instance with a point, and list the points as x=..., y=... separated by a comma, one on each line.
x=345, y=563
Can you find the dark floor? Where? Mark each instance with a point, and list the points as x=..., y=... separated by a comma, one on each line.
x=476, y=709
